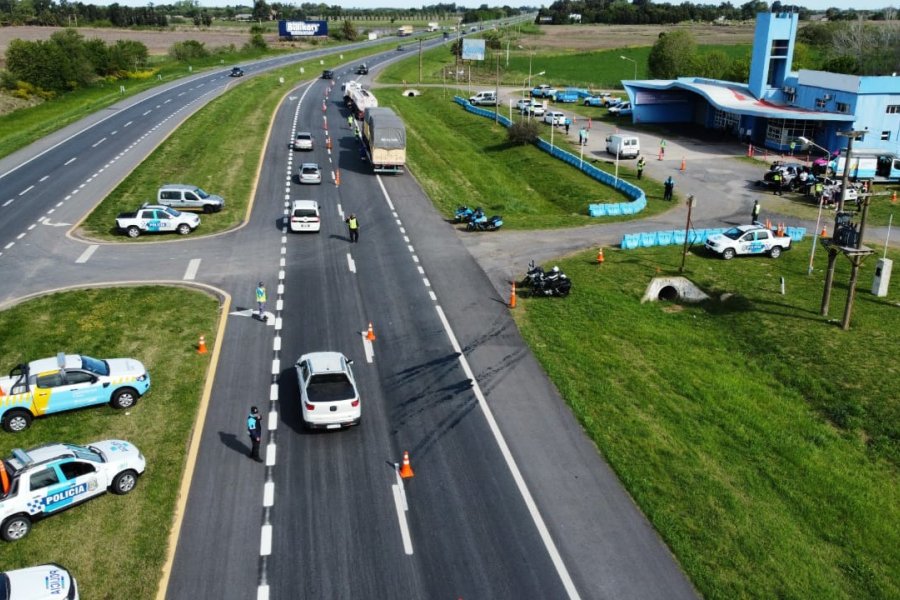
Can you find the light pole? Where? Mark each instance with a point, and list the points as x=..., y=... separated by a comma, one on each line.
x=632, y=61
x=529, y=78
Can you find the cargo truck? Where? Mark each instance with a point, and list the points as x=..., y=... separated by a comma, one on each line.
x=359, y=99
x=404, y=30
x=384, y=140
x=433, y=26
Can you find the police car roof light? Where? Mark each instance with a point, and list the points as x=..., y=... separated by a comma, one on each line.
x=22, y=456
x=61, y=360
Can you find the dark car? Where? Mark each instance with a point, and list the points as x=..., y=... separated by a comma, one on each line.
x=790, y=175
x=327, y=74
x=400, y=48
x=362, y=70
x=236, y=72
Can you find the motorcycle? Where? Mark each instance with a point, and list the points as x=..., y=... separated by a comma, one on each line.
x=464, y=213
x=534, y=273
x=482, y=223
x=552, y=285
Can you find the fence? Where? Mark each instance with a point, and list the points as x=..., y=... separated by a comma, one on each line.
x=630, y=241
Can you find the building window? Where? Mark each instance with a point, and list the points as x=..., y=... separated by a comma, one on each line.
x=843, y=107
x=820, y=103
x=790, y=97
x=779, y=48
x=892, y=109
x=885, y=136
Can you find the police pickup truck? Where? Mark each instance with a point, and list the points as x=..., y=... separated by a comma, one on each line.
x=747, y=239
x=51, y=478
x=67, y=382
x=156, y=219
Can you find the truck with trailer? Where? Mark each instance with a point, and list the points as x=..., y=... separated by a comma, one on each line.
x=404, y=30
x=358, y=99
x=384, y=140
x=880, y=167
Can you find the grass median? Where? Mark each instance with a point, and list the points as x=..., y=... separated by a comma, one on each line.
x=218, y=149
x=115, y=545
x=759, y=438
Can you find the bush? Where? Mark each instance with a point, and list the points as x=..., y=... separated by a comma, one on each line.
x=523, y=132
x=188, y=50
x=257, y=42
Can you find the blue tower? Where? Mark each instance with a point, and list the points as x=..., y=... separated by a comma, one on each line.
x=773, y=51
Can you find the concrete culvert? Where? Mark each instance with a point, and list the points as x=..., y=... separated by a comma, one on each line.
x=668, y=293
x=673, y=289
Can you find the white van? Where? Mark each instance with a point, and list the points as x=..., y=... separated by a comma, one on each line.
x=488, y=98
x=626, y=146
x=305, y=216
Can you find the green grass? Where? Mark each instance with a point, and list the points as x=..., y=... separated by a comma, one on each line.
x=759, y=438
x=203, y=152
x=115, y=545
x=460, y=158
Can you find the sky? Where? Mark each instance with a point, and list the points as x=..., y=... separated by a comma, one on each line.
x=811, y=4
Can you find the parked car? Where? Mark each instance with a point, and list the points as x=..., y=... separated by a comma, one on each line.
x=44, y=582
x=621, y=109
x=310, y=173
x=155, y=218
x=236, y=72
x=747, y=239
x=329, y=398
x=611, y=101
x=789, y=172
x=535, y=109
x=303, y=141
x=305, y=216
x=543, y=91
x=485, y=98
x=189, y=197
x=554, y=117
x=597, y=99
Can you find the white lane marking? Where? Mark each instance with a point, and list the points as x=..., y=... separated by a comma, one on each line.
x=265, y=542
x=406, y=238
x=8, y=202
x=262, y=592
x=555, y=557
x=276, y=343
x=191, y=272
x=411, y=249
x=273, y=420
x=401, y=517
x=51, y=211
x=98, y=142
x=280, y=289
x=351, y=263
x=167, y=101
x=127, y=124
x=182, y=94
x=114, y=132
x=87, y=254
x=269, y=493
x=281, y=273
x=273, y=392
x=387, y=198
x=43, y=179
x=279, y=305
x=146, y=113
x=415, y=258
x=426, y=282
x=368, y=348
x=20, y=236
x=278, y=324
x=270, y=455
x=9, y=245
x=70, y=161
x=276, y=366
x=433, y=295
x=32, y=226
x=340, y=211
x=26, y=190
x=421, y=270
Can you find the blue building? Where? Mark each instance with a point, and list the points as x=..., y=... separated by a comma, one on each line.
x=778, y=105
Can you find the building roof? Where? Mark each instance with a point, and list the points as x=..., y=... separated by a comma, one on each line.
x=732, y=97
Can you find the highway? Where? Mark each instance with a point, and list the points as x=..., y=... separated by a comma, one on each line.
x=509, y=498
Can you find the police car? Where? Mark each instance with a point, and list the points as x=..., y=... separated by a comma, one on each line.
x=51, y=478
x=38, y=583
x=67, y=382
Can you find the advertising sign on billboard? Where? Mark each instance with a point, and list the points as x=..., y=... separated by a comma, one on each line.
x=302, y=28
x=473, y=49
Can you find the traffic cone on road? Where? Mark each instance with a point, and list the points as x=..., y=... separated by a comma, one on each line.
x=370, y=334
x=406, y=471
x=512, y=296
x=600, y=258
x=824, y=231
x=201, y=345
x=683, y=164
x=894, y=198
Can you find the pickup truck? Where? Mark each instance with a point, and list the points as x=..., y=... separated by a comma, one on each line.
x=567, y=96
x=543, y=91
x=747, y=239
x=154, y=218
x=596, y=100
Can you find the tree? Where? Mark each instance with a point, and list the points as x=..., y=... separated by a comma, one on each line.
x=348, y=31
x=260, y=11
x=672, y=55
x=523, y=132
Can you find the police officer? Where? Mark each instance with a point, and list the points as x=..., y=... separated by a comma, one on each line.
x=353, y=226
x=754, y=214
x=254, y=429
x=350, y=121
x=261, y=301
x=776, y=180
x=640, y=166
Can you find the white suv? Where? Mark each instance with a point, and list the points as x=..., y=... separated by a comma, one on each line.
x=328, y=395
x=38, y=583
x=305, y=216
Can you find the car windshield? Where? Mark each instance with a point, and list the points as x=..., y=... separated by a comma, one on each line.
x=733, y=233
x=172, y=211
x=310, y=170
x=201, y=193
x=86, y=453
x=303, y=136
x=100, y=367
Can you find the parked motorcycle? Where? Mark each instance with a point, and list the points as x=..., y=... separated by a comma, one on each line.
x=464, y=213
x=482, y=223
x=547, y=283
x=534, y=273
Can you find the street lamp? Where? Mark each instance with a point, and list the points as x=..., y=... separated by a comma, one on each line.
x=809, y=142
x=632, y=61
x=529, y=78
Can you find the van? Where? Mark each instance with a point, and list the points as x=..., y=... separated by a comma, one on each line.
x=625, y=146
x=188, y=197
x=305, y=216
x=488, y=98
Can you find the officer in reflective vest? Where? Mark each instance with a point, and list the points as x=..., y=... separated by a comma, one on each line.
x=261, y=301
x=776, y=180
x=353, y=226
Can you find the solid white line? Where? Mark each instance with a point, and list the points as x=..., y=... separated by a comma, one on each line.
x=273, y=420
x=384, y=191
x=269, y=493
x=26, y=190
x=401, y=517
x=87, y=254
x=98, y=143
x=262, y=592
x=351, y=263
x=191, y=272
x=270, y=455
x=555, y=557
x=70, y=161
x=43, y=179
x=273, y=391
x=340, y=211
x=265, y=542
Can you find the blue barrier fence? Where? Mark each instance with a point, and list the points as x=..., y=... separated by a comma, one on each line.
x=638, y=198
x=630, y=241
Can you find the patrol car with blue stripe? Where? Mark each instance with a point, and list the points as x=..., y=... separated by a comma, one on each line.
x=51, y=478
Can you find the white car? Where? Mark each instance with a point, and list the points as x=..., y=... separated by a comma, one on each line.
x=44, y=582
x=305, y=216
x=623, y=108
x=303, y=141
x=328, y=395
x=310, y=173
x=747, y=239
x=554, y=117
x=48, y=479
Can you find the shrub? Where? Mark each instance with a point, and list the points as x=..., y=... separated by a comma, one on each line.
x=523, y=132
x=188, y=50
x=257, y=42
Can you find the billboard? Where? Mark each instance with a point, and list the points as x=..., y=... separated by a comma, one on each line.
x=473, y=49
x=302, y=28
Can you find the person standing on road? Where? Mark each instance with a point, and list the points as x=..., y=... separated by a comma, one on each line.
x=261, y=301
x=662, y=149
x=640, y=166
x=353, y=226
x=586, y=132
x=777, y=178
x=254, y=429
x=350, y=121
x=668, y=188
x=754, y=214
x=568, y=122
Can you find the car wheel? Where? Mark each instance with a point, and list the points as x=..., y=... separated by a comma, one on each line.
x=16, y=420
x=124, y=482
x=124, y=398
x=15, y=528
x=184, y=229
x=134, y=231
x=728, y=253
x=775, y=252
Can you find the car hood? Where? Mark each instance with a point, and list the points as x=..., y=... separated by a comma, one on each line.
x=39, y=583
x=122, y=367
x=718, y=239
x=121, y=454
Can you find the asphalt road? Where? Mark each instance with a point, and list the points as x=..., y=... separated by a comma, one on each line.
x=510, y=499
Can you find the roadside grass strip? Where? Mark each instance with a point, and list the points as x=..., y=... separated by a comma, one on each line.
x=115, y=545
x=759, y=439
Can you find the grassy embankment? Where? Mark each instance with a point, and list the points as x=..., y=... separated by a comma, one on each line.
x=202, y=152
x=115, y=545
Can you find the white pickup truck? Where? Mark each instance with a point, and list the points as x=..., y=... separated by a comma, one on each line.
x=156, y=219
x=747, y=239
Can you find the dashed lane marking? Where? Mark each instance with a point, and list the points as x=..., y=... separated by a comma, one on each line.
x=191, y=272
x=70, y=161
x=87, y=254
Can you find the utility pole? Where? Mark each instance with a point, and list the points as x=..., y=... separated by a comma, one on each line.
x=832, y=248
x=420, y=61
x=687, y=230
x=497, y=93
x=856, y=260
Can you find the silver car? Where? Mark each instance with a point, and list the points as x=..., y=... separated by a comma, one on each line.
x=329, y=398
x=303, y=141
x=310, y=173
x=189, y=197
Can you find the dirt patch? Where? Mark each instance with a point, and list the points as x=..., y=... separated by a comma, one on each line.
x=603, y=37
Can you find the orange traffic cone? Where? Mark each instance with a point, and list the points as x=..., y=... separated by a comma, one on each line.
x=201, y=345
x=768, y=224
x=894, y=198
x=683, y=164
x=824, y=231
x=600, y=258
x=2, y=393
x=512, y=296
x=370, y=335
x=406, y=471
x=337, y=178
